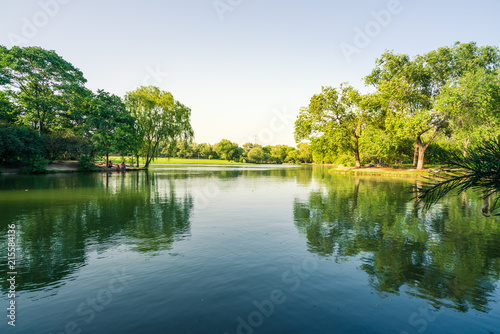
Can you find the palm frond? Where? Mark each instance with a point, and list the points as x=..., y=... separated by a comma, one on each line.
x=478, y=169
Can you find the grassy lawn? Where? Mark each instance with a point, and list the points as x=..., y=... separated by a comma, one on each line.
x=179, y=161
x=406, y=170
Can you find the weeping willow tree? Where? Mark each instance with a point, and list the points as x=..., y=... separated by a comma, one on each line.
x=159, y=118
x=478, y=168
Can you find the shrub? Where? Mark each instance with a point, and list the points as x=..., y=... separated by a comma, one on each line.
x=66, y=146
x=35, y=165
x=86, y=162
x=20, y=144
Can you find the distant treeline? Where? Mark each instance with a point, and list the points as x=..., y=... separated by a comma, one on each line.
x=227, y=150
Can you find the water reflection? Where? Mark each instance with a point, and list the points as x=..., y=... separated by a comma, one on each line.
x=61, y=220
x=449, y=256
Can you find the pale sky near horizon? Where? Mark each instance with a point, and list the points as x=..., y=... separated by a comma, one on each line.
x=245, y=68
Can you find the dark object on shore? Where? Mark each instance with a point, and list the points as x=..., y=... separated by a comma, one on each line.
x=123, y=166
x=110, y=164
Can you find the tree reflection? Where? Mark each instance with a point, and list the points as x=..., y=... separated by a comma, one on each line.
x=449, y=255
x=147, y=212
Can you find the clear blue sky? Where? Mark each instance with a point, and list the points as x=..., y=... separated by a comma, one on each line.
x=239, y=66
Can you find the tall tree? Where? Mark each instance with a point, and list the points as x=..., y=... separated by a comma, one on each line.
x=409, y=88
x=109, y=124
x=333, y=115
x=40, y=82
x=403, y=87
x=159, y=118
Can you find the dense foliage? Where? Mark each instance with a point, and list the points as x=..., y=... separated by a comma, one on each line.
x=422, y=108
x=227, y=150
x=47, y=114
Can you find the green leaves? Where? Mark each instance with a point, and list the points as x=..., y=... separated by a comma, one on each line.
x=333, y=118
x=473, y=106
x=228, y=150
x=40, y=82
x=158, y=118
x=426, y=94
x=108, y=124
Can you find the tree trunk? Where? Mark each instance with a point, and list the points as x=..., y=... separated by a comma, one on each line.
x=146, y=164
x=356, y=152
x=421, y=153
x=420, y=164
x=422, y=148
x=107, y=159
x=415, y=155
x=355, y=199
x=137, y=156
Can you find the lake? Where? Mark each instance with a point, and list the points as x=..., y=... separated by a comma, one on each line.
x=244, y=249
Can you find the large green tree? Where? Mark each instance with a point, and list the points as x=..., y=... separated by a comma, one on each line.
x=159, y=118
x=256, y=154
x=334, y=116
x=109, y=124
x=41, y=83
x=408, y=89
x=228, y=150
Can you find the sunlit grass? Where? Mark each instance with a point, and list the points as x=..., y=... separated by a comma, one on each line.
x=404, y=170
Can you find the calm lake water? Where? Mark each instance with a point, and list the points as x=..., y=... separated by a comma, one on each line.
x=245, y=250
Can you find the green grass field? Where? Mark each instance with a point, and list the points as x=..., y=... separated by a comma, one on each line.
x=178, y=161
x=406, y=170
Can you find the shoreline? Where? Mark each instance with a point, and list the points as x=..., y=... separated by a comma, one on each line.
x=66, y=167
x=386, y=171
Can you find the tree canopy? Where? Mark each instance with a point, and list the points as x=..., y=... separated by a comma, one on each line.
x=158, y=118
x=410, y=88
x=333, y=115
x=108, y=124
x=440, y=101
x=41, y=84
